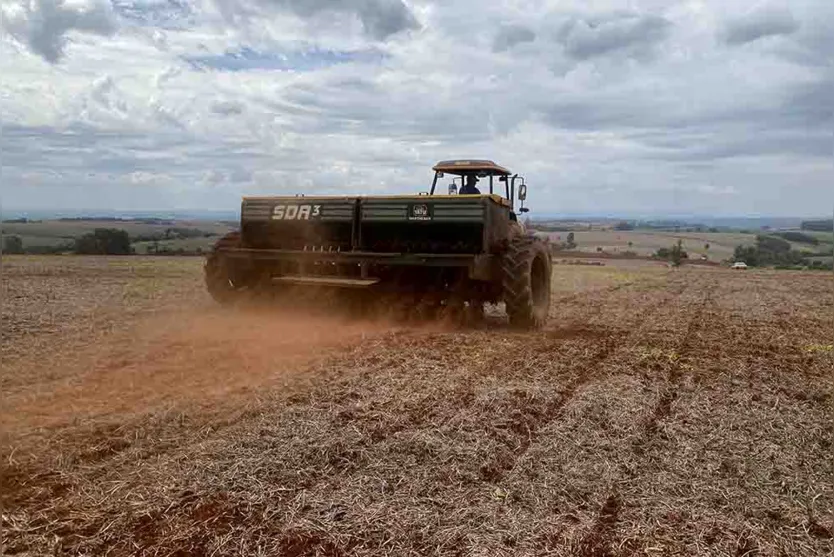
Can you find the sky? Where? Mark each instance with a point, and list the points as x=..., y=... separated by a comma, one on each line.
x=647, y=107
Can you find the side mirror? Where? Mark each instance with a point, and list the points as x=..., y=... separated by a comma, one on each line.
x=440, y=175
x=502, y=178
x=522, y=192
x=453, y=189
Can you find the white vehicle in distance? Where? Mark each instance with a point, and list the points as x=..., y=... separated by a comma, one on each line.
x=739, y=265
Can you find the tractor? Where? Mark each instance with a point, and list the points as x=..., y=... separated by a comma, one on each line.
x=453, y=248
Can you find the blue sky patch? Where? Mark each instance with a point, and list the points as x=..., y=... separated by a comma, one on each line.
x=245, y=59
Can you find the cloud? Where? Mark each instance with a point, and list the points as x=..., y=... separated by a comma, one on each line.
x=383, y=18
x=227, y=108
x=632, y=33
x=380, y=19
x=762, y=23
x=43, y=25
x=510, y=35
x=811, y=105
x=602, y=111
x=104, y=92
x=157, y=14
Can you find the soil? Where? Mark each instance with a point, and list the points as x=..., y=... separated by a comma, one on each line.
x=661, y=412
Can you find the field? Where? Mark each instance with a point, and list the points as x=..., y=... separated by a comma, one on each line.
x=57, y=233
x=721, y=244
x=661, y=412
x=647, y=242
x=54, y=233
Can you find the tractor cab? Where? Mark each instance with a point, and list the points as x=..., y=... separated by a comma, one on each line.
x=480, y=177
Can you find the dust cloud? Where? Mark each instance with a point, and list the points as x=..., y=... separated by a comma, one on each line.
x=185, y=358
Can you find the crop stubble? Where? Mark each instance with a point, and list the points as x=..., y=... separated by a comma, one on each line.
x=685, y=413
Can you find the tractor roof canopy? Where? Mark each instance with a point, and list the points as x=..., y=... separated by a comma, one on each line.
x=470, y=166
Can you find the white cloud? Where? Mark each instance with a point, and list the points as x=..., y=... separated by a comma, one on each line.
x=764, y=22
x=632, y=33
x=511, y=35
x=227, y=107
x=377, y=19
x=43, y=25
x=670, y=107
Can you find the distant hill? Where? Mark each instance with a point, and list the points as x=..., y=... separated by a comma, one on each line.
x=818, y=225
x=140, y=216
x=650, y=220
x=674, y=221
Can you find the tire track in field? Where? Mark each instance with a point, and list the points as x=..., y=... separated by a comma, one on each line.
x=603, y=532
x=499, y=469
x=596, y=542
x=673, y=378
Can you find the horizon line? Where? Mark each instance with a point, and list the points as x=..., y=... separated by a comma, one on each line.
x=91, y=213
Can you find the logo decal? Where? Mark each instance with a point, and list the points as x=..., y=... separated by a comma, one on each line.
x=296, y=212
x=419, y=212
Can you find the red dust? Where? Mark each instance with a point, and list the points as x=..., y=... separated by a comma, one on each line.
x=191, y=357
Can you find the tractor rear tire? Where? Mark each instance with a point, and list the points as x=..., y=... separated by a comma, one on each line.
x=526, y=276
x=225, y=279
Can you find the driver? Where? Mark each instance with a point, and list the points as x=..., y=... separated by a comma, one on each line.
x=469, y=188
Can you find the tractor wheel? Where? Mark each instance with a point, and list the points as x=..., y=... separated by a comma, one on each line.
x=225, y=279
x=475, y=312
x=526, y=269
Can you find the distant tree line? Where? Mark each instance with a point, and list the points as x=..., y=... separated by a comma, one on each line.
x=20, y=220
x=825, y=225
x=776, y=251
x=173, y=234
x=150, y=220
x=83, y=219
x=549, y=227
x=106, y=241
x=768, y=251
x=12, y=244
x=798, y=237
x=165, y=250
x=672, y=226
